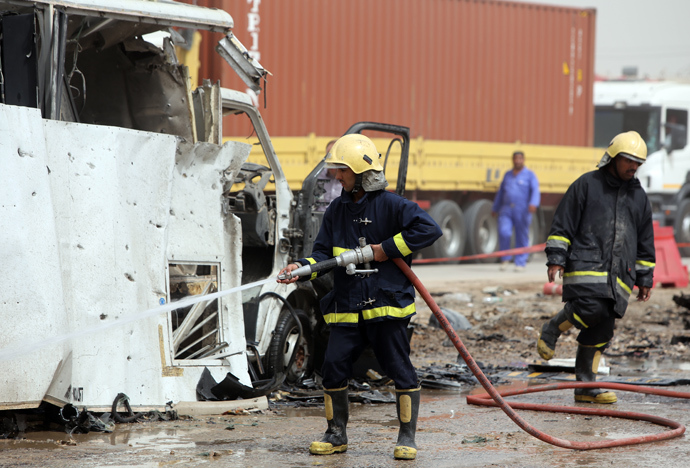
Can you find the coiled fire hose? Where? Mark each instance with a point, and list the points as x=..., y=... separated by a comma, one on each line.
x=495, y=398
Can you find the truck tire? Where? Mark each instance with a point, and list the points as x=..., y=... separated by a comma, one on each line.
x=449, y=217
x=681, y=226
x=286, y=341
x=482, y=230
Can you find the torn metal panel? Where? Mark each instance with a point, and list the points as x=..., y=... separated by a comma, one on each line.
x=133, y=86
x=202, y=235
x=31, y=258
x=95, y=214
x=239, y=59
x=207, y=112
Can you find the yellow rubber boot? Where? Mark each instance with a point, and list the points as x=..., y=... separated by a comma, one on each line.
x=550, y=331
x=335, y=438
x=407, y=402
x=586, y=365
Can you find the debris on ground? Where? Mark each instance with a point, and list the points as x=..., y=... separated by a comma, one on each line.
x=504, y=334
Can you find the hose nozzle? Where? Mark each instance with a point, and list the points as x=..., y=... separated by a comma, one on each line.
x=349, y=259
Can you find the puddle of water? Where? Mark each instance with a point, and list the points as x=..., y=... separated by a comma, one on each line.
x=161, y=439
x=46, y=444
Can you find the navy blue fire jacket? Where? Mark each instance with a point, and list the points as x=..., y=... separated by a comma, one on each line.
x=400, y=226
x=602, y=234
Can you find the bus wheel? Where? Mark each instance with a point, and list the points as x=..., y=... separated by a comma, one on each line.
x=289, y=352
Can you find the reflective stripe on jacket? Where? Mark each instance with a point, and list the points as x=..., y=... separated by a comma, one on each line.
x=602, y=235
x=381, y=217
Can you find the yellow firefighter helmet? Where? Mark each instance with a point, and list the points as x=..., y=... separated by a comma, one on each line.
x=356, y=152
x=630, y=145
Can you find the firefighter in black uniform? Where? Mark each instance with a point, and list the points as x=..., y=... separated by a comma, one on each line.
x=368, y=309
x=602, y=244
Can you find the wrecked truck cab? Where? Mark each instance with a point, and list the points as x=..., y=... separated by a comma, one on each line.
x=279, y=319
x=114, y=188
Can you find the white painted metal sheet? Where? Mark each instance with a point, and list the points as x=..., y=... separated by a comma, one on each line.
x=32, y=293
x=94, y=214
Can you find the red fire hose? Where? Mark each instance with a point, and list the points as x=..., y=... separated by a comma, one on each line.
x=495, y=398
x=501, y=253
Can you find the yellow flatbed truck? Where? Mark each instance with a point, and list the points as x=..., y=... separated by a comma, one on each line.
x=456, y=182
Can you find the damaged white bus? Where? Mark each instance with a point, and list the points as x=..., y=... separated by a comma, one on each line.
x=120, y=197
x=114, y=183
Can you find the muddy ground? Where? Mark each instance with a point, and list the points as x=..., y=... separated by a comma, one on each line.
x=649, y=342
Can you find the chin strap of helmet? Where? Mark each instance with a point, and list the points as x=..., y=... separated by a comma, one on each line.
x=358, y=182
x=615, y=169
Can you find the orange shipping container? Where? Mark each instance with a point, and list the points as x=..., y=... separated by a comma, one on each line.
x=468, y=70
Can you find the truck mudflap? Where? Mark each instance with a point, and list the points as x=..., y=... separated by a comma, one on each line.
x=230, y=388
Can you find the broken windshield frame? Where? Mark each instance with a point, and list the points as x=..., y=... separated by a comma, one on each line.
x=609, y=121
x=85, y=61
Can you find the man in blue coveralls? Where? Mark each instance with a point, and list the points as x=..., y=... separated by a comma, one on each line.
x=516, y=200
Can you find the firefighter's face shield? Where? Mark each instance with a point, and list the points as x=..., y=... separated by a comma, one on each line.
x=335, y=165
x=632, y=158
x=606, y=158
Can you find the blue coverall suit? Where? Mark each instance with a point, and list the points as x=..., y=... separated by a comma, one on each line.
x=373, y=309
x=512, y=201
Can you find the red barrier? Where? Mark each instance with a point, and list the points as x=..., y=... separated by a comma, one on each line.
x=669, y=271
x=553, y=289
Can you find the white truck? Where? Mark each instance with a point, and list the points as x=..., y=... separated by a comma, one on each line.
x=120, y=197
x=658, y=111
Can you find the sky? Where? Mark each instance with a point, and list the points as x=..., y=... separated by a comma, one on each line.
x=652, y=35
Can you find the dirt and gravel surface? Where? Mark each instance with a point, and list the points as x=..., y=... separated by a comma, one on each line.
x=506, y=320
x=505, y=311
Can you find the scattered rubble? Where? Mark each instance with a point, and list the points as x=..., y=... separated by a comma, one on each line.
x=504, y=334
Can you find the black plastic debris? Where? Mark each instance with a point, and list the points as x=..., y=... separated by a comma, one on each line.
x=453, y=376
x=372, y=396
x=8, y=428
x=492, y=337
x=682, y=300
x=130, y=417
x=230, y=388
x=680, y=339
x=86, y=422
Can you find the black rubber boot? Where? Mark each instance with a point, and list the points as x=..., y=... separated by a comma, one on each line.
x=550, y=331
x=335, y=438
x=407, y=402
x=586, y=364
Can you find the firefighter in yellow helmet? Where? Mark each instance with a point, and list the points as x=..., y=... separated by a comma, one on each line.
x=369, y=309
x=602, y=244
